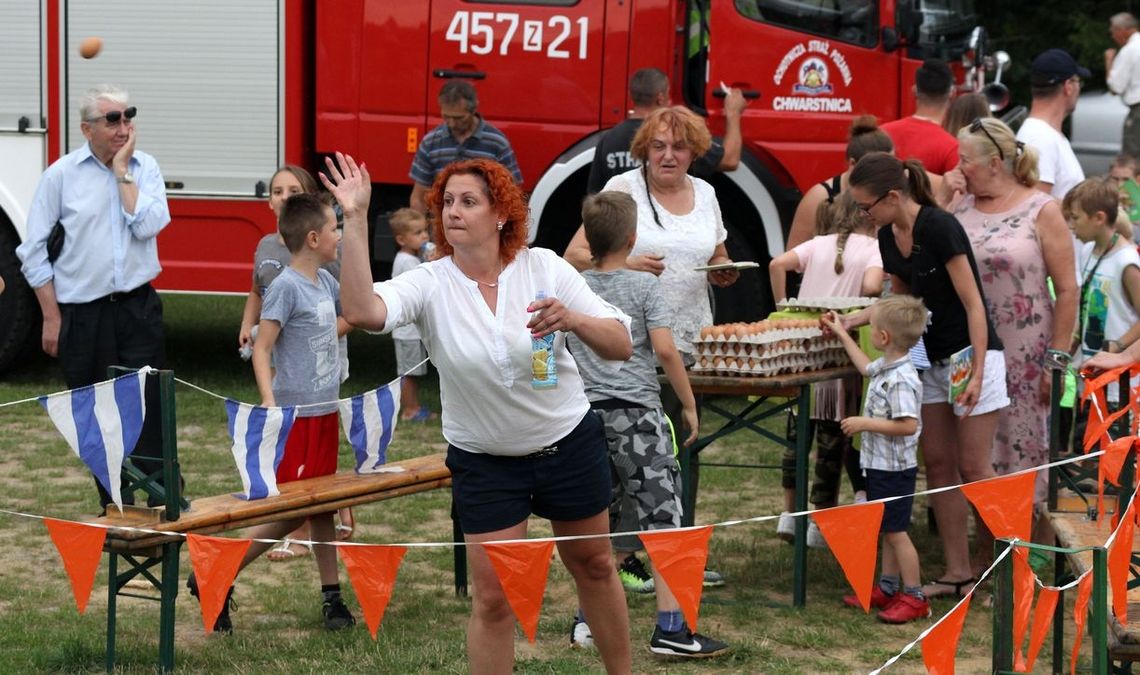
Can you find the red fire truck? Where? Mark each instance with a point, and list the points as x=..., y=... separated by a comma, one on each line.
x=227, y=91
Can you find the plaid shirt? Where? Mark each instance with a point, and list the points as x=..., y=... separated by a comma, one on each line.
x=894, y=392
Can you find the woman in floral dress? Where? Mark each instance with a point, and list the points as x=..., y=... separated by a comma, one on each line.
x=1020, y=239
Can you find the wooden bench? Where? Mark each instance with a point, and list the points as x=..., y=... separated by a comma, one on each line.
x=143, y=551
x=1076, y=530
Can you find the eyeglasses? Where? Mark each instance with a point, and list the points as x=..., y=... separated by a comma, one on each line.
x=115, y=116
x=867, y=209
x=977, y=126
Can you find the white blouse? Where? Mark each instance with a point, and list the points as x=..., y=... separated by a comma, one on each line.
x=484, y=359
x=686, y=241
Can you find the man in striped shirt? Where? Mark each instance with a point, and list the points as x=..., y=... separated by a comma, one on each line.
x=464, y=134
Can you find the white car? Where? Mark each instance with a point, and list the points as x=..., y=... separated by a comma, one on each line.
x=1095, y=133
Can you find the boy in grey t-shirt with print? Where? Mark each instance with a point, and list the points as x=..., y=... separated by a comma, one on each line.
x=299, y=327
x=647, y=491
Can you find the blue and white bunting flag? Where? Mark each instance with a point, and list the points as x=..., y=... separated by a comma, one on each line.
x=369, y=420
x=101, y=422
x=259, y=443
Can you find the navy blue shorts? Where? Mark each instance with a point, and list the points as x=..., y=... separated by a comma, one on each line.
x=896, y=513
x=493, y=492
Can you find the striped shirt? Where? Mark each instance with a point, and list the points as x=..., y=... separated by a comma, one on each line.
x=894, y=392
x=439, y=148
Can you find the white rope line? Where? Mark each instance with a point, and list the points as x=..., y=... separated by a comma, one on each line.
x=36, y=399
x=937, y=623
x=607, y=535
x=298, y=407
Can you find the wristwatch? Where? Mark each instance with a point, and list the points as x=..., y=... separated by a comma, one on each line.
x=126, y=178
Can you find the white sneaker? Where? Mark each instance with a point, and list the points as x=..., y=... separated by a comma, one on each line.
x=580, y=635
x=815, y=537
x=786, y=527
x=861, y=497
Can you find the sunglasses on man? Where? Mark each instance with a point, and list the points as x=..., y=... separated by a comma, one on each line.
x=115, y=116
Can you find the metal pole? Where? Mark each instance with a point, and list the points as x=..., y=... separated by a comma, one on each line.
x=803, y=446
x=1100, y=611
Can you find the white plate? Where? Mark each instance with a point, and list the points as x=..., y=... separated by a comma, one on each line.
x=745, y=265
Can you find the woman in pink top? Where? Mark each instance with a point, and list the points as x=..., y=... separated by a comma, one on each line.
x=842, y=260
x=1020, y=239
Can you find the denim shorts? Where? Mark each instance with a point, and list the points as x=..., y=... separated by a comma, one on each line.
x=572, y=482
x=881, y=484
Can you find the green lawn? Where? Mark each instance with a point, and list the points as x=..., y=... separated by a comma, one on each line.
x=278, y=623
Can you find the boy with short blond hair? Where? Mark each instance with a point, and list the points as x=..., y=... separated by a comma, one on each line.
x=889, y=455
x=647, y=491
x=410, y=228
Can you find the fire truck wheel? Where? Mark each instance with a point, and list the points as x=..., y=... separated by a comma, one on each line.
x=19, y=311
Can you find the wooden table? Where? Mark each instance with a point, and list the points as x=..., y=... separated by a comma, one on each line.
x=796, y=390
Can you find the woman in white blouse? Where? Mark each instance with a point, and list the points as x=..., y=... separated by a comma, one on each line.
x=513, y=449
x=679, y=225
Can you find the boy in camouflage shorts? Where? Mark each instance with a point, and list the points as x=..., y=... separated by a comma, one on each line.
x=627, y=396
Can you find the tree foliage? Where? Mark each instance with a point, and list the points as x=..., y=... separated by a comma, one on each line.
x=1025, y=29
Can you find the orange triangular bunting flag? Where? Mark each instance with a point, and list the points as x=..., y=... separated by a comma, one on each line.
x=680, y=556
x=522, y=568
x=852, y=534
x=80, y=546
x=1097, y=423
x=1005, y=504
x=1119, y=558
x=1023, y=586
x=215, y=561
x=1042, y=620
x=940, y=645
x=1080, y=613
x=372, y=573
x=1113, y=459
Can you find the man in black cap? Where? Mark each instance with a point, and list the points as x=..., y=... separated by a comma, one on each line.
x=1055, y=82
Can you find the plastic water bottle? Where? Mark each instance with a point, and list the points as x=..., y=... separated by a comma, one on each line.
x=543, y=373
x=427, y=251
x=246, y=350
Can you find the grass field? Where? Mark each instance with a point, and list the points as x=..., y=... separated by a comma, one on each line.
x=278, y=622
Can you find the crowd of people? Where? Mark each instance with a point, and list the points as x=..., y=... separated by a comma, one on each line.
x=993, y=254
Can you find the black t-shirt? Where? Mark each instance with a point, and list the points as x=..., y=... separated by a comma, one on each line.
x=612, y=156
x=938, y=237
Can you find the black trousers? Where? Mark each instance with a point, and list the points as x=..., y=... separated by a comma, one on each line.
x=122, y=329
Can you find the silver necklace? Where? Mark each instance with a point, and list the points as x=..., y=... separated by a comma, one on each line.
x=484, y=283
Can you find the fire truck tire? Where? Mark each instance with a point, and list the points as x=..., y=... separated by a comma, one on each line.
x=19, y=311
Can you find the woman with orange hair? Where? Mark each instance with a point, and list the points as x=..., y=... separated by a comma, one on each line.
x=513, y=449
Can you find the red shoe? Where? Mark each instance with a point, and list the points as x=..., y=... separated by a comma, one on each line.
x=879, y=599
x=904, y=609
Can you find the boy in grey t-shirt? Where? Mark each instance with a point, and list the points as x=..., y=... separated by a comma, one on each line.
x=299, y=327
x=628, y=399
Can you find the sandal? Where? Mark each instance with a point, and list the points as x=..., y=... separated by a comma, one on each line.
x=421, y=415
x=347, y=525
x=958, y=591
x=288, y=550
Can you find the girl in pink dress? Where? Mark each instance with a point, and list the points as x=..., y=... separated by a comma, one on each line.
x=842, y=260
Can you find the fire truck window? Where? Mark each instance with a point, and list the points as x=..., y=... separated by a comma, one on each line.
x=853, y=21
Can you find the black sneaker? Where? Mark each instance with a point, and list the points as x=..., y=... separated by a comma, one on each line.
x=336, y=614
x=684, y=643
x=222, y=624
x=634, y=577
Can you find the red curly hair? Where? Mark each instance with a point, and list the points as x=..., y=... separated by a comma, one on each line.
x=505, y=196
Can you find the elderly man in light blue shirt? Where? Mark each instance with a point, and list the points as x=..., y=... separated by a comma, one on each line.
x=108, y=201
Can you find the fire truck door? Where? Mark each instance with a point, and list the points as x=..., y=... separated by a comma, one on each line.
x=817, y=66
x=205, y=77
x=22, y=143
x=536, y=67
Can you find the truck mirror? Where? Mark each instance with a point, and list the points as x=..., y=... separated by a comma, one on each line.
x=890, y=39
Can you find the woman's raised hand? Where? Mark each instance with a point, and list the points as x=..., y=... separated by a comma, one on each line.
x=550, y=316
x=349, y=183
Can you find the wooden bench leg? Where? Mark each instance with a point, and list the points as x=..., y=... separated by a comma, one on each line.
x=169, y=590
x=112, y=595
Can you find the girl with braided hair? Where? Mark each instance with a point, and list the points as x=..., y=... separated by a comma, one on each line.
x=842, y=260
